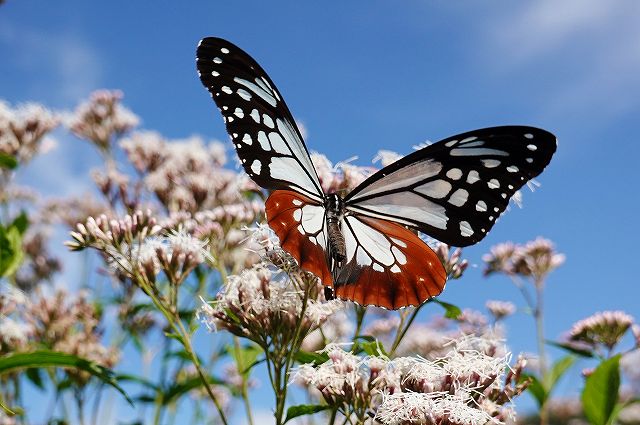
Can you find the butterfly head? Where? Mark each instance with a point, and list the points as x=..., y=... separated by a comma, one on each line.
x=334, y=204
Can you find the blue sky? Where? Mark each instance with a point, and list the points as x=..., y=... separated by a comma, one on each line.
x=364, y=76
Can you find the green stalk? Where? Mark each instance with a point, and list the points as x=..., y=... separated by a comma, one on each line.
x=244, y=390
x=185, y=340
x=404, y=328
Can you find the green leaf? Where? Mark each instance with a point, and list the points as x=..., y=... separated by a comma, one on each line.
x=138, y=380
x=35, y=377
x=557, y=370
x=536, y=388
x=7, y=161
x=304, y=409
x=39, y=359
x=174, y=336
x=10, y=250
x=21, y=222
x=371, y=346
x=583, y=352
x=245, y=357
x=600, y=393
x=306, y=357
x=451, y=311
x=177, y=390
x=178, y=354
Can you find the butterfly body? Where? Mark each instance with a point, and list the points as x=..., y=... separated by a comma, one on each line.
x=334, y=206
x=364, y=245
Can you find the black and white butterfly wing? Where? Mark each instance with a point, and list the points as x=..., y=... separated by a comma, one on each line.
x=455, y=189
x=263, y=130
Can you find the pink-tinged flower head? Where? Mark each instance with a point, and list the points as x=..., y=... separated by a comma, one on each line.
x=259, y=301
x=144, y=150
x=23, y=130
x=606, y=328
x=499, y=258
x=386, y=157
x=500, y=309
x=102, y=119
x=471, y=383
x=537, y=258
x=453, y=263
x=13, y=334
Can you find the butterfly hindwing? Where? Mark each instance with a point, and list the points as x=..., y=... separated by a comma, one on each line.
x=263, y=130
x=455, y=189
x=300, y=224
x=387, y=265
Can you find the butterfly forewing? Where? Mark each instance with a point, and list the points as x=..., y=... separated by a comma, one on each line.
x=263, y=131
x=455, y=189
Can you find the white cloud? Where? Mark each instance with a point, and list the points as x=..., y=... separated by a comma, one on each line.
x=588, y=49
x=65, y=68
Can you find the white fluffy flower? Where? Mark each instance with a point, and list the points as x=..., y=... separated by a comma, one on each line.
x=13, y=333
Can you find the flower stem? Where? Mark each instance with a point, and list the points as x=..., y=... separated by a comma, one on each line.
x=538, y=315
x=404, y=328
x=185, y=339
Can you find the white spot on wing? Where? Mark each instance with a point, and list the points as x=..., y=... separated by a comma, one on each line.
x=256, y=166
x=532, y=147
x=266, y=96
x=238, y=113
x=399, y=255
x=217, y=60
x=224, y=50
x=490, y=163
x=267, y=120
x=244, y=94
x=399, y=242
x=465, y=229
x=264, y=142
x=247, y=139
x=278, y=143
x=459, y=197
x=288, y=169
x=473, y=177
x=493, y=184
x=454, y=173
x=255, y=115
x=435, y=189
x=468, y=139
x=227, y=89
x=512, y=169
x=376, y=243
x=481, y=206
x=312, y=218
x=477, y=152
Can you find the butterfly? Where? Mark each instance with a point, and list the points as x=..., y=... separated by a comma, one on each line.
x=364, y=246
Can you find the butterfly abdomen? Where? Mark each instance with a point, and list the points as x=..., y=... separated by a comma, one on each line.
x=334, y=207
